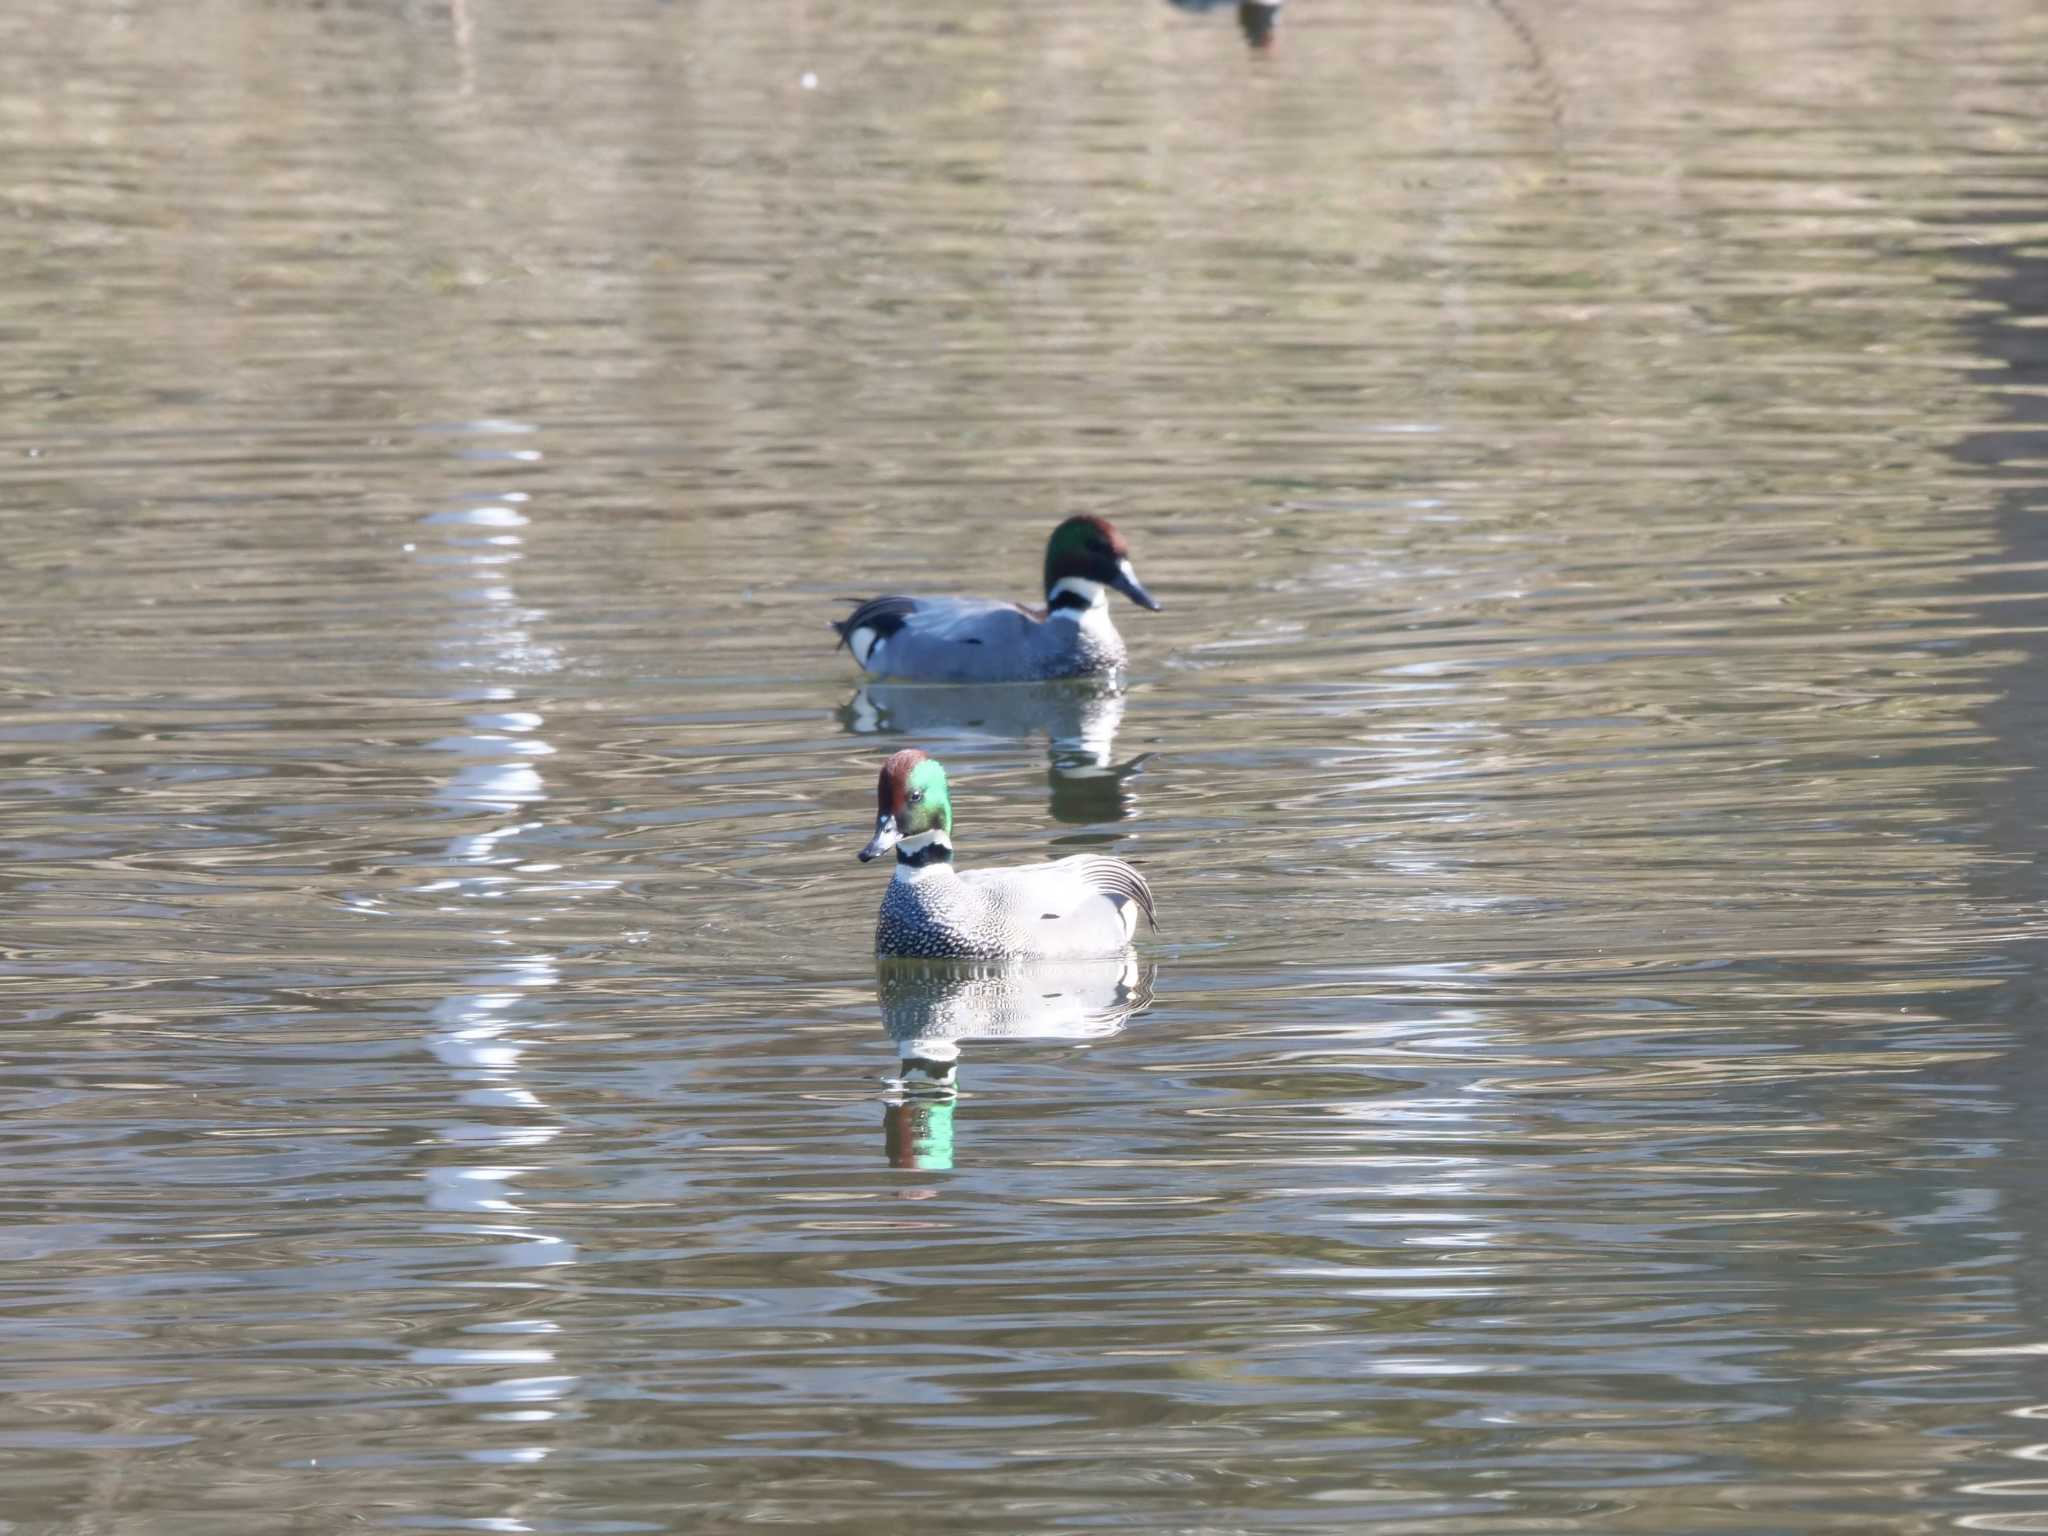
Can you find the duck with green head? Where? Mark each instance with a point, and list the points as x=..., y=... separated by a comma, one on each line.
x=1068, y=909
x=982, y=640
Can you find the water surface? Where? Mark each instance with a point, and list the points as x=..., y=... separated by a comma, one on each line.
x=1589, y=1078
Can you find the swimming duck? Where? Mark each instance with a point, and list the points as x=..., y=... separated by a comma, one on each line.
x=982, y=640
x=1068, y=909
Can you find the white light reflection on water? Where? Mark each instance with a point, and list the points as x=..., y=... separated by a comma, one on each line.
x=484, y=1035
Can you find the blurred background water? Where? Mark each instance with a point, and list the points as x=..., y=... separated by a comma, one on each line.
x=1591, y=1075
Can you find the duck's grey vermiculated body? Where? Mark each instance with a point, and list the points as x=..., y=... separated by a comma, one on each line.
x=1072, y=908
x=974, y=640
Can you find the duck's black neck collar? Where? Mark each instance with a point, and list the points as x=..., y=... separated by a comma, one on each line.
x=1072, y=593
x=933, y=850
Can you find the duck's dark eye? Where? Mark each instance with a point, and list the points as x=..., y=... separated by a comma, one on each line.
x=916, y=795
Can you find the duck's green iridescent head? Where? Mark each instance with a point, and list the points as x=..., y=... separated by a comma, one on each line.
x=1084, y=555
x=913, y=813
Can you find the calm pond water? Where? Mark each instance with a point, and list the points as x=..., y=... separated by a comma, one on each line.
x=1591, y=1075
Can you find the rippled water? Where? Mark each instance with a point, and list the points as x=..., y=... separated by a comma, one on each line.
x=1590, y=1077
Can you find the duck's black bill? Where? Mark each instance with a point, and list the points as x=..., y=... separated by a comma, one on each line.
x=886, y=837
x=1127, y=583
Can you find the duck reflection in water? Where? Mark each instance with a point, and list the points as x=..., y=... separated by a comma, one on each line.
x=1255, y=18
x=1079, y=718
x=929, y=1007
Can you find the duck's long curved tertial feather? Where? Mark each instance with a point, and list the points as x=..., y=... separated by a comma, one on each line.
x=1113, y=877
x=873, y=622
x=884, y=615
